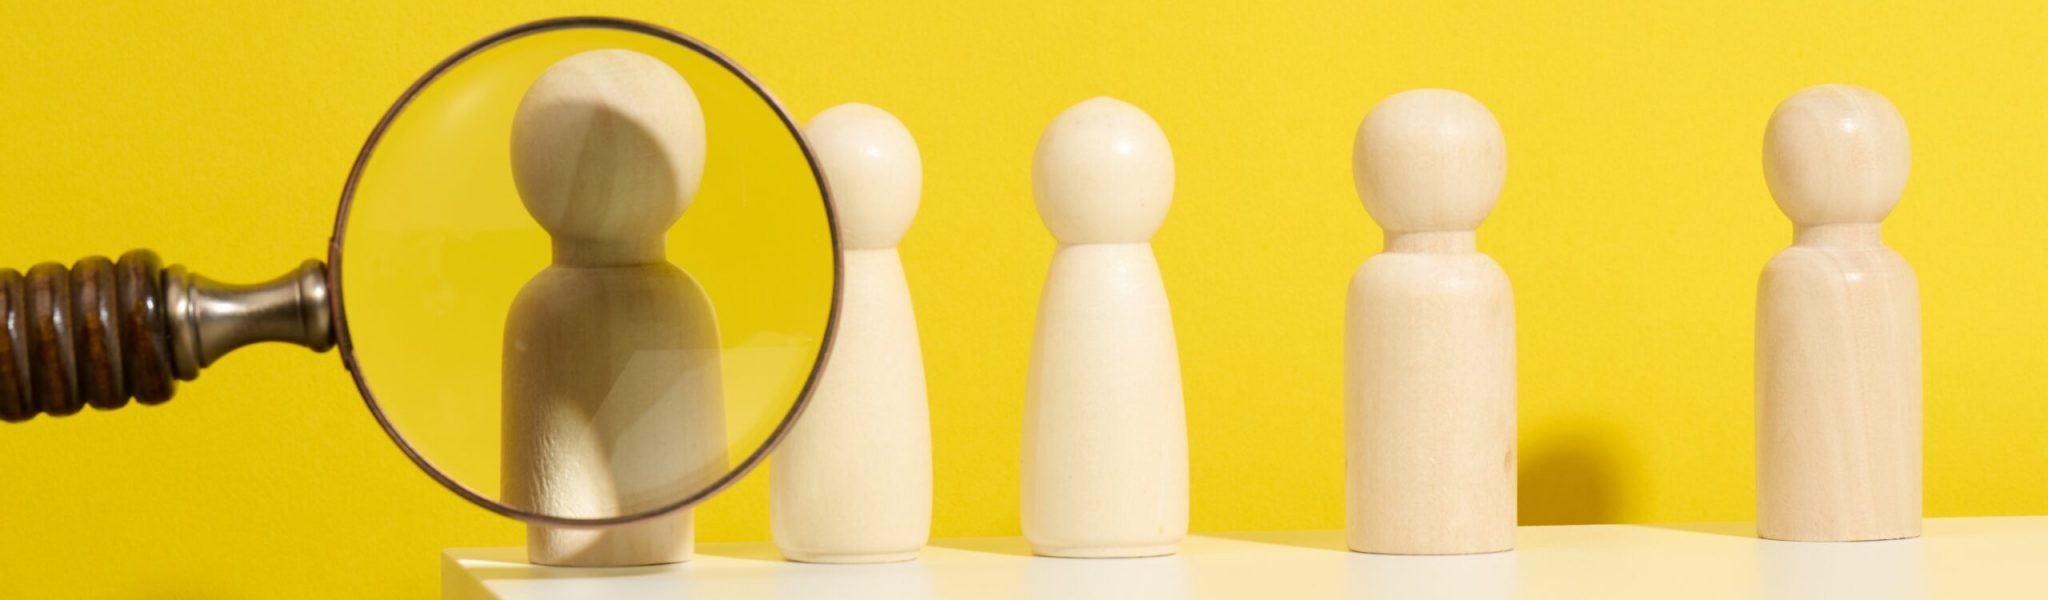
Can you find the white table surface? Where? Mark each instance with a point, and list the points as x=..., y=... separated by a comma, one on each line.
x=1989, y=557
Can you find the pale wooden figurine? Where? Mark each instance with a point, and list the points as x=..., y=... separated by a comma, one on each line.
x=852, y=482
x=1837, y=328
x=612, y=390
x=1105, y=460
x=1429, y=419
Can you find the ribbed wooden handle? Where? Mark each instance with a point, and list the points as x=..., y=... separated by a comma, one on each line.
x=103, y=332
x=96, y=333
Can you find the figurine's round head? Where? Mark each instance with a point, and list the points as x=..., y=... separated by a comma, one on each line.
x=1836, y=154
x=871, y=162
x=1429, y=160
x=1103, y=174
x=608, y=145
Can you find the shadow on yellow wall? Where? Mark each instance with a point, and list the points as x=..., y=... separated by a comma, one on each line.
x=1569, y=477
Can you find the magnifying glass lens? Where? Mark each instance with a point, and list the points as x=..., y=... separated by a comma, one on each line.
x=530, y=330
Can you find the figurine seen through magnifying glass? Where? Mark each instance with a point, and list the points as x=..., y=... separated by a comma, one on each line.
x=612, y=386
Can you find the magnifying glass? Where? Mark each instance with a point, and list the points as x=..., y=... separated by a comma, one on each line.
x=583, y=272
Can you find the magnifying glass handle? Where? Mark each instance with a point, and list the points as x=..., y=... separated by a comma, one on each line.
x=103, y=332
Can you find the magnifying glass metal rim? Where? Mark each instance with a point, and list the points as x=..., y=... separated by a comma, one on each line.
x=340, y=310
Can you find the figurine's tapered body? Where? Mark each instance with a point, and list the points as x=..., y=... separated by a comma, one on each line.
x=612, y=407
x=1430, y=417
x=613, y=399
x=1430, y=338
x=1105, y=470
x=1105, y=436
x=852, y=482
x=1838, y=389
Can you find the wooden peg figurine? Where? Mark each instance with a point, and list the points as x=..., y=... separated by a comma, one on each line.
x=1105, y=470
x=1837, y=328
x=852, y=482
x=1429, y=419
x=612, y=390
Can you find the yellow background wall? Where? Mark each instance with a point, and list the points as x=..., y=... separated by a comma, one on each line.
x=1633, y=224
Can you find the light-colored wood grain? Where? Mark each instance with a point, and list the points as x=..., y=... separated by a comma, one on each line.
x=613, y=401
x=852, y=482
x=1430, y=337
x=1837, y=328
x=1105, y=462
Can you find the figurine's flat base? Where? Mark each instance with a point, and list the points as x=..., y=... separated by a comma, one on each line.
x=1107, y=552
x=1388, y=552
x=1989, y=557
x=852, y=559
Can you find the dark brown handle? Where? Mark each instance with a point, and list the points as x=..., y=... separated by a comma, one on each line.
x=103, y=332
